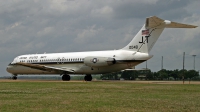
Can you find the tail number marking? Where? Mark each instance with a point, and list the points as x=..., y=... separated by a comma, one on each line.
x=133, y=47
x=143, y=41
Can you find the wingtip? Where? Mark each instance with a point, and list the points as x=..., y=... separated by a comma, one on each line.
x=195, y=26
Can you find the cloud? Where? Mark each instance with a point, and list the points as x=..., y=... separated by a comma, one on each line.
x=104, y=12
x=45, y=31
x=87, y=34
x=143, y=9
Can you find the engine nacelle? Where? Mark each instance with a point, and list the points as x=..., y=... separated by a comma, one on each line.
x=94, y=61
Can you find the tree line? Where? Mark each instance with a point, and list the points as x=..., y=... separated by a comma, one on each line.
x=149, y=75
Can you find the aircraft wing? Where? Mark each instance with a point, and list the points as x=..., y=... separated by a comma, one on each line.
x=46, y=68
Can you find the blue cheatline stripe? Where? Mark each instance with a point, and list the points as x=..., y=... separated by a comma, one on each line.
x=76, y=62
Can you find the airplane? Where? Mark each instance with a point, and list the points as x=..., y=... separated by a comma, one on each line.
x=95, y=62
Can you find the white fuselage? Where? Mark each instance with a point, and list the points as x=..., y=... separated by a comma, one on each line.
x=75, y=60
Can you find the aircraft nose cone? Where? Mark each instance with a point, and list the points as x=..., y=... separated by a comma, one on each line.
x=9, y=68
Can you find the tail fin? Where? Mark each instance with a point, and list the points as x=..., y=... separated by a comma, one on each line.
x=150, y=32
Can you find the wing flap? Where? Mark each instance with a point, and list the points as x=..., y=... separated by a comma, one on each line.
x=61, y=69
x=45, y=68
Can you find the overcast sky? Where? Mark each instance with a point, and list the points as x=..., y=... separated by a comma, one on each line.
x=51, y=26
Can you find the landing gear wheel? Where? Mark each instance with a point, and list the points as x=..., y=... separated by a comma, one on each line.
x=14, y=77
x=66, y=77
x=88, y=78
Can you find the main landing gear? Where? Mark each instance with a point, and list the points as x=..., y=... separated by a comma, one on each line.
x=88, y=77
x=14, y=77
x=66, y=77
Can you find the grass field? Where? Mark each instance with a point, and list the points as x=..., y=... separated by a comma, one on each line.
x=98, y=96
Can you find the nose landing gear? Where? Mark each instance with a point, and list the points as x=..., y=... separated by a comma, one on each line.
x=14, y=77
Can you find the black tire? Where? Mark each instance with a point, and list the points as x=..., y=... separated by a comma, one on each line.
x=88, y=78
x=14, y=77
x=66, y=77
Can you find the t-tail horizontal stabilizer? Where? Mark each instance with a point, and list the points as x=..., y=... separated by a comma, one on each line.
x=154, y=21
x=150, y=32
